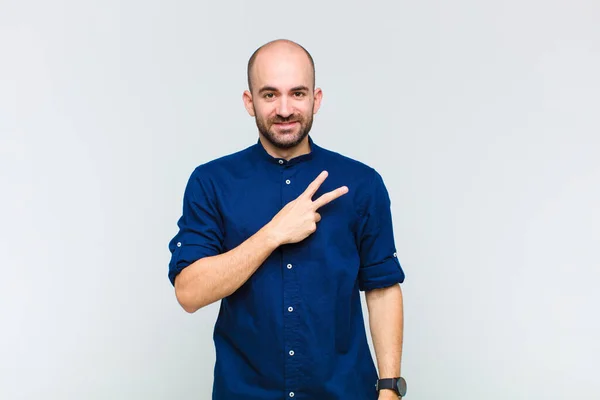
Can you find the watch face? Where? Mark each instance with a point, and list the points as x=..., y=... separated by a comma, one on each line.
x=401, y=386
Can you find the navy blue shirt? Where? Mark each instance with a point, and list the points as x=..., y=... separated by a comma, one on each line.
x=295, y=329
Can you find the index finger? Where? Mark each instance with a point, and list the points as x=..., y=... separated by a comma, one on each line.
x=314, y=185
x=330, y=196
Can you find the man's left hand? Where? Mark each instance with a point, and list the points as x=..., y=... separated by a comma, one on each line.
x=387, y=395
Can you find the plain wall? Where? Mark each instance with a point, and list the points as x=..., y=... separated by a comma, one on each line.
x=482, y=117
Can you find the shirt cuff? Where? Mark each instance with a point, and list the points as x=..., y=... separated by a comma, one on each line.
x=184, y=255
x=384, y=274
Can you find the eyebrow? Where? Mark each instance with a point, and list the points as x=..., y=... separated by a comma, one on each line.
x=267, y=89
x=299, y=88
x=272, y=89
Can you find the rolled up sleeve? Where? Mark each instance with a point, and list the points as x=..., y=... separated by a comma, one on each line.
x=380, y=266
x=200, y=225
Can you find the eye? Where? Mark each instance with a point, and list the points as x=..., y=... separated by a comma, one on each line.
x=268, y=95
x=299, y=94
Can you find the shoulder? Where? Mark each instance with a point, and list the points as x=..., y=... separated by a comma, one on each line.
x=361, y=173
x=207, y=176
x=363, y=180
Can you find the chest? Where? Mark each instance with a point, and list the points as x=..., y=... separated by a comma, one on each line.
x=249, y=202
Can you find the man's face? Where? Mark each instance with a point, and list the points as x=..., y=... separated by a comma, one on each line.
x=283, y=100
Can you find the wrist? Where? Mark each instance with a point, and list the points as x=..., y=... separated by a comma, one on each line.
x=270, y=236
x=391, y=388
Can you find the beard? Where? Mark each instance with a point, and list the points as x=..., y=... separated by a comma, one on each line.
x=285, y=138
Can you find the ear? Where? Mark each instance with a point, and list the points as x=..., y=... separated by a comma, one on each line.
x=248, y=102
x=318, y=94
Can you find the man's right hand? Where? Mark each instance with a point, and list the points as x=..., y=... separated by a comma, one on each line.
x=298, y=219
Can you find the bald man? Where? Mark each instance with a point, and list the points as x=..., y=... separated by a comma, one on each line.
x=286, y=234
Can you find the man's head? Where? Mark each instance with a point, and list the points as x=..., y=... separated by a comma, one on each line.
x=281, y=92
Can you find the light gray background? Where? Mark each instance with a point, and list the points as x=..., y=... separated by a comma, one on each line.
x=482, y=117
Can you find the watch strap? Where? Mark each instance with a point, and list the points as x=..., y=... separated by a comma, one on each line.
x=387, y=383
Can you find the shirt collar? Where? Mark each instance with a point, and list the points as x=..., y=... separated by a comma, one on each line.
x=260, y=150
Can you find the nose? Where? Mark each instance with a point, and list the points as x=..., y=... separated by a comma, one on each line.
x=283, y=109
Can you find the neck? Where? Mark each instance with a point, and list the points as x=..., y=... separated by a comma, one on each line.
x=287, y=154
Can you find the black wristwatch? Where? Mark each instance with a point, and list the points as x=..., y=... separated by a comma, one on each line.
x=398, y=385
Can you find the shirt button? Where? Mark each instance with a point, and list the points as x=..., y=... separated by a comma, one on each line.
x=291, y=352
x=291, y=394
x=290, y=309
x=280, y=161
x=287, y=181
x=178, y=244
x=289, y=266
x=395, y=255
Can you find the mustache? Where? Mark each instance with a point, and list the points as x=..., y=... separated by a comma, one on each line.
x=291, y=118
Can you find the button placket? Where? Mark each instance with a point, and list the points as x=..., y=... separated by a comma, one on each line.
x=291, y=301
x=290, y=327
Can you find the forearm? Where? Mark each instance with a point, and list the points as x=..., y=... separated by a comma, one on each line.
x=212, y=278
x=386, y=319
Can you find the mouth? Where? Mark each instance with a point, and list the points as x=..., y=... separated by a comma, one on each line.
x=286, y=125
